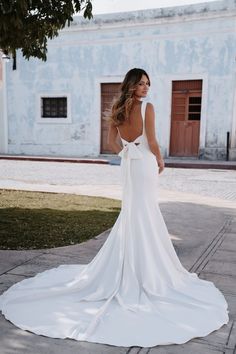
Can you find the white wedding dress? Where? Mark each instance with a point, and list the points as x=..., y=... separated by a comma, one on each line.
x=135, y=292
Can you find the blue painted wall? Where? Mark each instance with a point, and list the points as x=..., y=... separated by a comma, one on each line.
x=195, y=41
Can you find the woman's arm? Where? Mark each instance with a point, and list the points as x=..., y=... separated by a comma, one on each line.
x=151, y=136
x=111, y=139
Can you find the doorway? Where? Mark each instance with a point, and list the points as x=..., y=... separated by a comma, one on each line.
x=108, y=92
x=185, y=118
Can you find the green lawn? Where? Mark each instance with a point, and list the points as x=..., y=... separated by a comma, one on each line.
x=31, y=220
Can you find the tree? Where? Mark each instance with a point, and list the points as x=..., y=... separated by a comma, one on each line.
x=27, y=24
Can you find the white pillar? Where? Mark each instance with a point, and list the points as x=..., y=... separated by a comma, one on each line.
x=3, y=111
x=232, y=150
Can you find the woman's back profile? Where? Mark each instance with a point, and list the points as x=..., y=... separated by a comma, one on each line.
x=135, y=292
x=132, y=128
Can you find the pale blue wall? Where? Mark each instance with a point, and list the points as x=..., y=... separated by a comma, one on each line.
x=167, y=46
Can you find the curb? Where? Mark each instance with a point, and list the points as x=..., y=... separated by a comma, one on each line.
x=54, y=159
x=201, y=165
x=113, y=160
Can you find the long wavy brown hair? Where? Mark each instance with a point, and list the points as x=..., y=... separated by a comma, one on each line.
x=122, y=104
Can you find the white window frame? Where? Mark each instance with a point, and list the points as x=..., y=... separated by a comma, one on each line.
x=55, y=120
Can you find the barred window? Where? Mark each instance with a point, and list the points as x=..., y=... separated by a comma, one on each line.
x=53, y=107
x=194, y=108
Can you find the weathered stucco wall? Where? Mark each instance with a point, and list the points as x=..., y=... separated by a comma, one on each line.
x=197, y=41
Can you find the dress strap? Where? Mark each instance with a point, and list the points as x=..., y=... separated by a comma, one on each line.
x=143, y=111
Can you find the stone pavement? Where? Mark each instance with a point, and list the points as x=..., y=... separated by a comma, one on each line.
x=104, y=180
x=199, y=208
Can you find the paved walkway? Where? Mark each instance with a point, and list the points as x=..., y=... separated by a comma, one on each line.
x=199, y=207
x=104, y=180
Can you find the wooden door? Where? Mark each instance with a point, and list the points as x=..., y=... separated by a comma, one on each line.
x=108, y=92
x=185, y=118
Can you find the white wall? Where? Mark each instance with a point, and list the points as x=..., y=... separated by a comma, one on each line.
x=197, y=41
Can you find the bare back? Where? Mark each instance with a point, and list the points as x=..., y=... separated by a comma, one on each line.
x=133, y=127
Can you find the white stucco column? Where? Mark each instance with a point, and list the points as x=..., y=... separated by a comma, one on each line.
x=232, y=150
x=3, y=112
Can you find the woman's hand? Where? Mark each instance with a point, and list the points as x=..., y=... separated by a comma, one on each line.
x=161, y=165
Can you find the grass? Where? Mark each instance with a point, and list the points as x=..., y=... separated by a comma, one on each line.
x=35, y=220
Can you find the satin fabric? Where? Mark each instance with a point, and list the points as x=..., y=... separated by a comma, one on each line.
x=135, y=292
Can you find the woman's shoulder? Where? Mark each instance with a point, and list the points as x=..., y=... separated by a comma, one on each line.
x=149, y=114
x=149, y=106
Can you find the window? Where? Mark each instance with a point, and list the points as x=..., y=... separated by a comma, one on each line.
x=194, y=108
x=54, y=107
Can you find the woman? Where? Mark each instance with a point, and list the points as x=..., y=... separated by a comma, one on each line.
x=130, y=98
x=135, y=292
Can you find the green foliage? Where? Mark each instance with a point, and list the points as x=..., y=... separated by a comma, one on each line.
x=27, y=24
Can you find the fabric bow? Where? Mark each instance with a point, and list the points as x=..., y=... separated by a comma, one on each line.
x=130, y=151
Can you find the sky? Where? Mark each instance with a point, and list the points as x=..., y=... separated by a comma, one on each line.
x=111, y=6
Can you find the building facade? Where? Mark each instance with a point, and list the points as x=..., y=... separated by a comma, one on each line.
x=56, y=108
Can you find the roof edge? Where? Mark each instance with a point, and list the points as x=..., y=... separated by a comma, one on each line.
x=142, y=16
